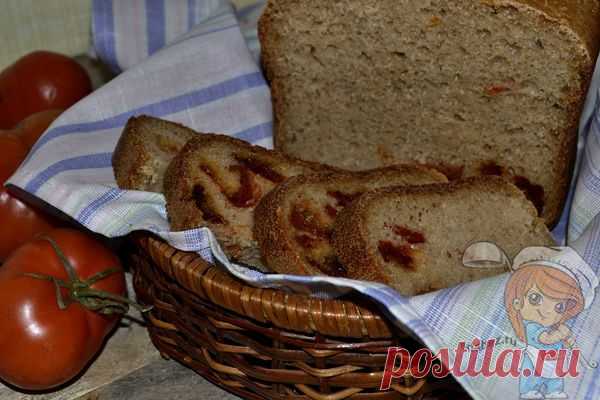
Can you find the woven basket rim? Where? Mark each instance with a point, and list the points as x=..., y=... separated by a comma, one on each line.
x=295, y=312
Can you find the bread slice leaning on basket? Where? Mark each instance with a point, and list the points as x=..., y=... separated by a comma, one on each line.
x=293, y=223
x=413, y=238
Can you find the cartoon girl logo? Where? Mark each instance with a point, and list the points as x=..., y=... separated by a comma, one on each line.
x=548, y=288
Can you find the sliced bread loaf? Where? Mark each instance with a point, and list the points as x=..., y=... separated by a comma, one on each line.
x=144, y=151
x=413, y=238
x=216, y=181
x=475, y=87
x=293, y=223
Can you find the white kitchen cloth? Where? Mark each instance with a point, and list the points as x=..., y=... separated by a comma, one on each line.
x=188, y=61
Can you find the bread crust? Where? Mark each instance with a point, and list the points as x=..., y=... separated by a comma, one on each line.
x=581, y=17
x=268, y=42
x=350, y=239
x=272, y=228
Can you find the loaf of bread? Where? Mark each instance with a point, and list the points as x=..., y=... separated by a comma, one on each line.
x=293, y=223
x=491, y=87
x=413, y=238
x=216, y=181
x=144, y=151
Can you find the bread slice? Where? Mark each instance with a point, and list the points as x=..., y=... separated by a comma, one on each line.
x=216, y=181
x=144, y=151
x=478, y=87
x=413, y=238
x=293, y=223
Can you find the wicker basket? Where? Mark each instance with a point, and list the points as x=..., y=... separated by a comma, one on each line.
x=264, y=343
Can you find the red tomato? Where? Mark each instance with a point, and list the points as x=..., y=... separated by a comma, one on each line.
x=13, y=153
x=42, y=345
x=31, y=128
x=39, y=81
x=20, y=222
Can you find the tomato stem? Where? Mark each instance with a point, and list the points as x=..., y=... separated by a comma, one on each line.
x=110, y=298
x=63, y=258
x=62, y=304
x=101, y=275
x=80, y=291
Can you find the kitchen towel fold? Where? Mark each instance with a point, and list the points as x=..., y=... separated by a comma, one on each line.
x=194, y=62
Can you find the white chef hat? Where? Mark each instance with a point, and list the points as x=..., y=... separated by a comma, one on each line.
x=565, y=259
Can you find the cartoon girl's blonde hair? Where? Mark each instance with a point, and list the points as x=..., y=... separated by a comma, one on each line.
x=552, y=282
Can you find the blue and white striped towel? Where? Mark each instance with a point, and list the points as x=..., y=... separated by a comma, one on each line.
x=202, y=74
